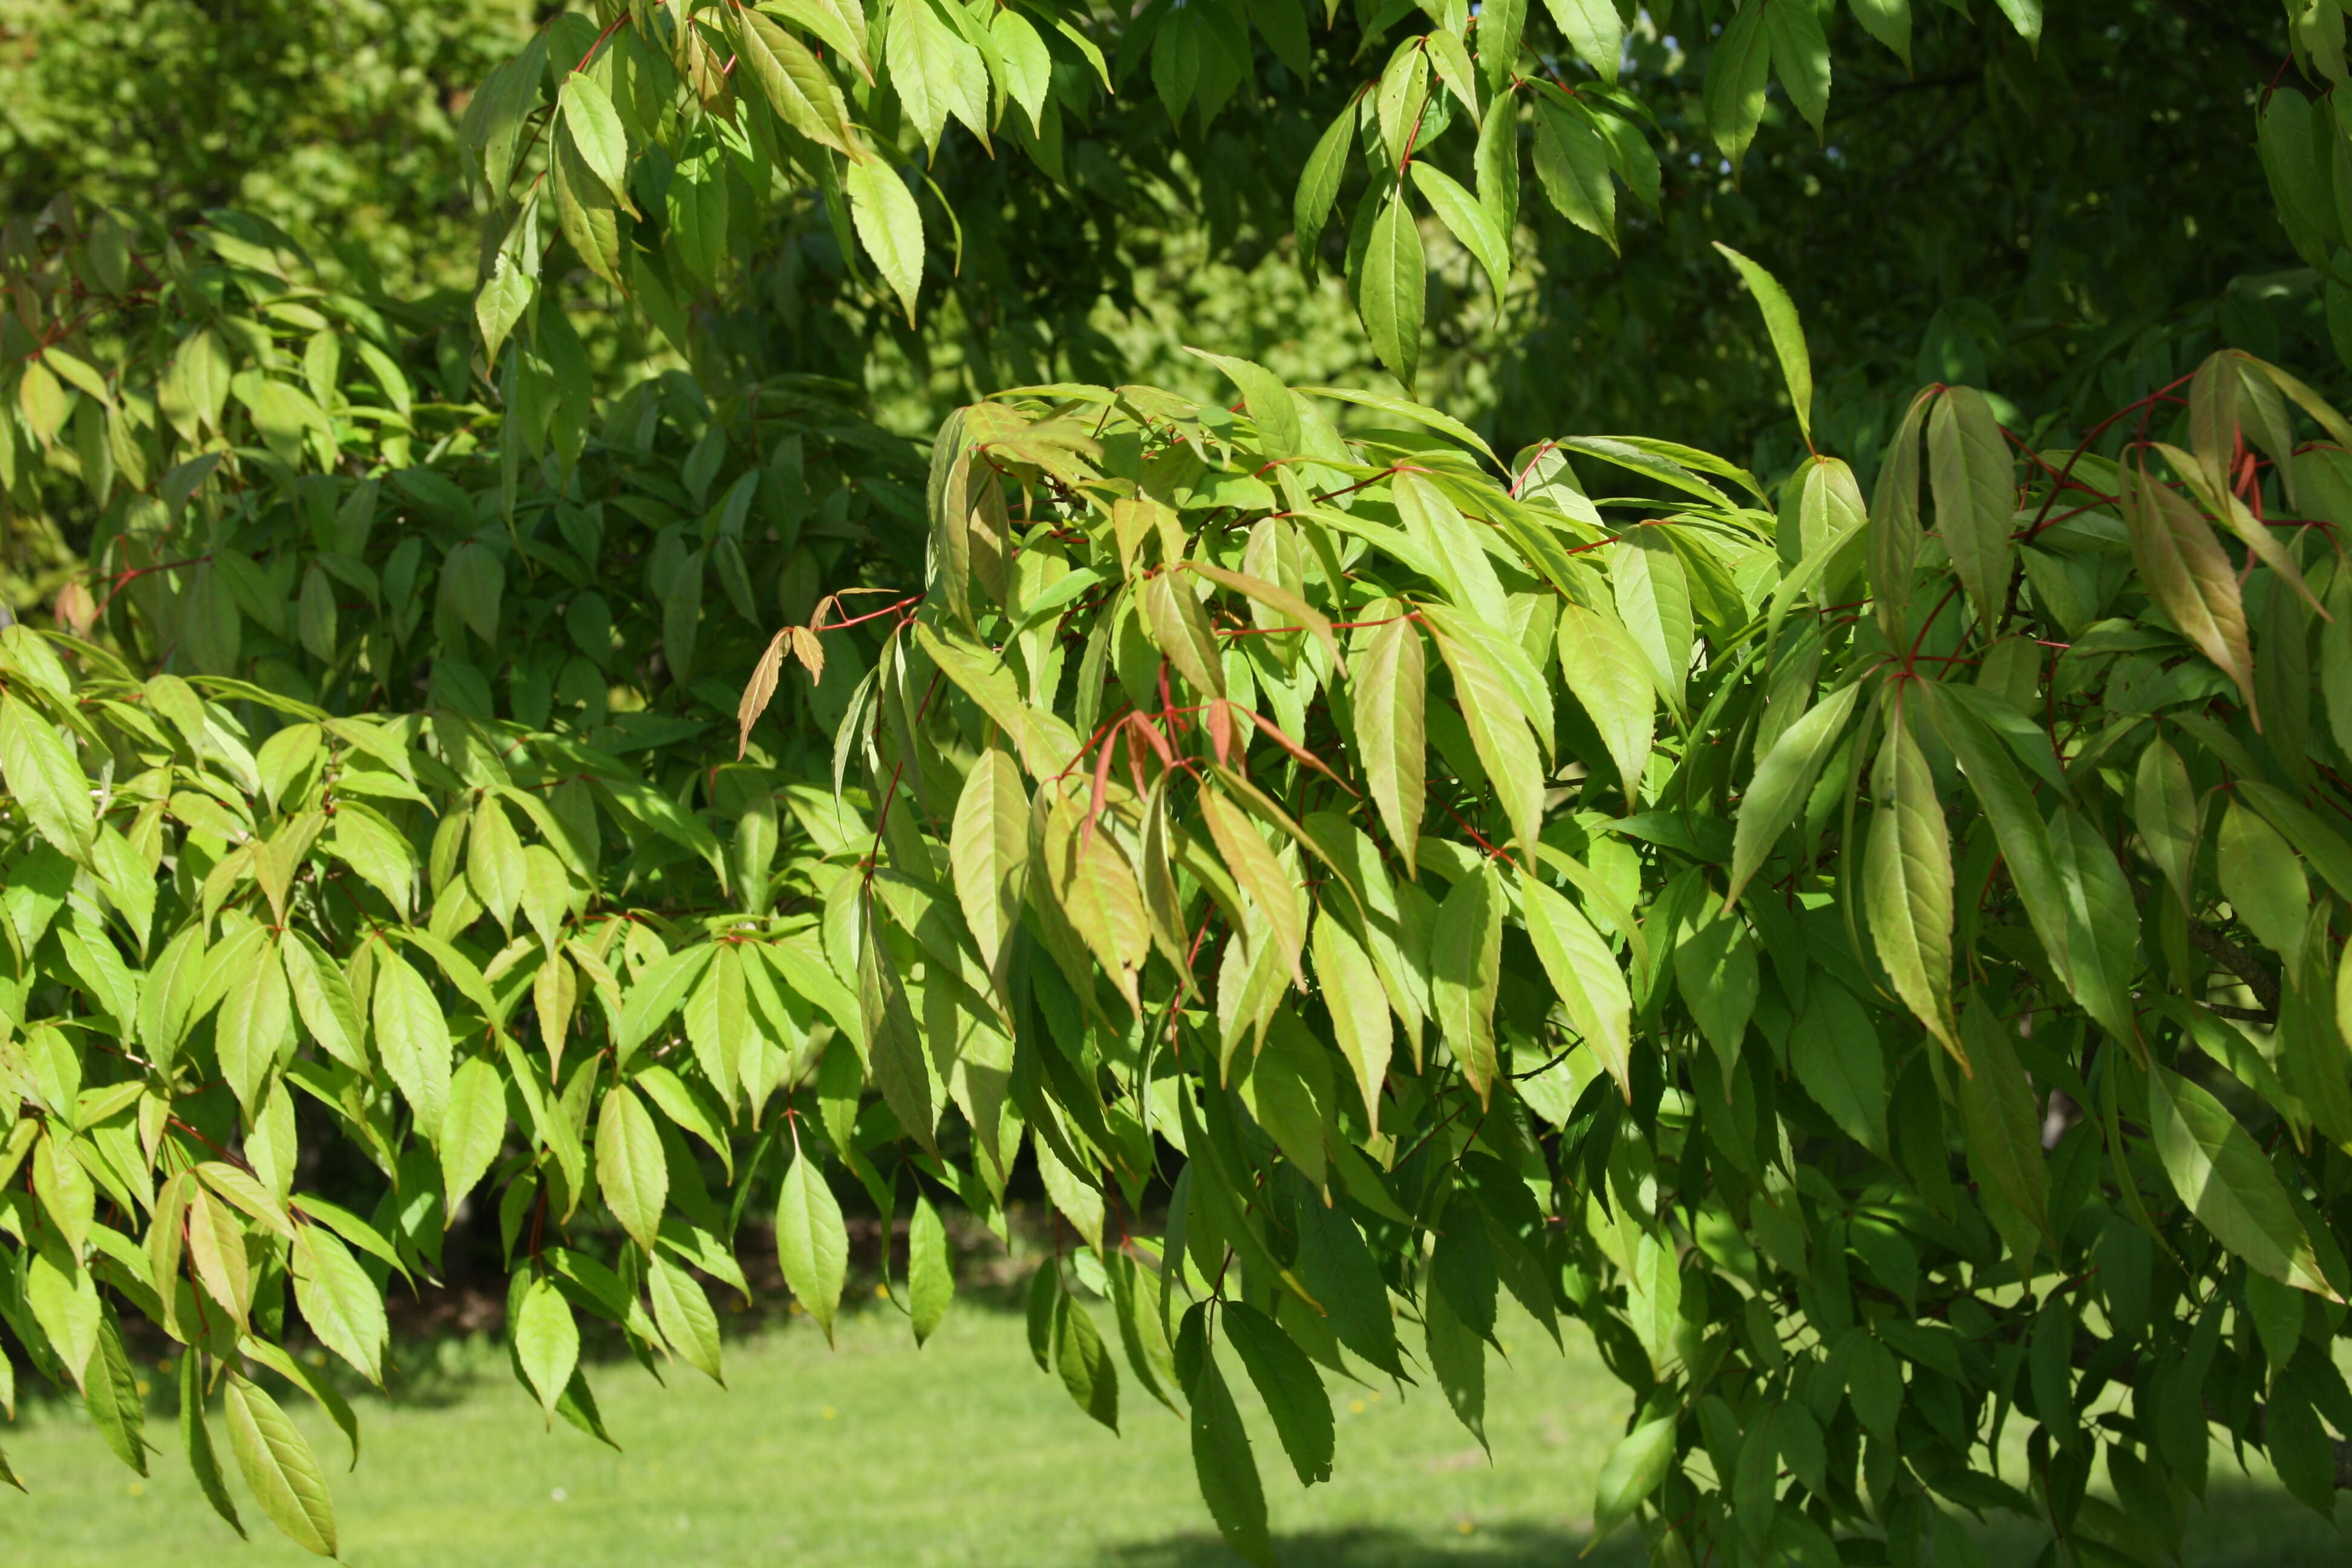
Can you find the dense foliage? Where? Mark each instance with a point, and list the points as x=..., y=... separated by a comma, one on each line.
x=1875, y=963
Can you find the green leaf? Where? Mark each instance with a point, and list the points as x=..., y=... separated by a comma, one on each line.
x=1715, y=969
x=197, y=1438
x=1888, y=21
x=1497, y=158
x=1469, y=222
x=1835, y=1053
x=1084, y=1361
x=110, y=1391
x=988, y=853
x=1973, y=478
x=1737, y=70
x=2002, y=1119
x=2188, y=575
x=1631, y=1472
x=1908, y=885
x=930, y=1269
x=796, y=86
x=889, y=226
x=811, y=1242
x=546, y=1342
x=2263, y=879
x=1583, y=974
x=1389, y=684
x=683, y=1311
x=1404, y=409
x=43, y=779
x=1136, y=1301
x=64, y=1299
x=1783, y=779
x=1318, y=187
x=1800, y=58
x=2024, y=839
x=1291, y=1387
x=1653, y=602
x=278, y=1464
x=1572, y=166
x=1607, y=672
x=2025, y=15
x=586, y=211
x=473, y=1127
x=2220, y=1175
x=1270, y=403
x=1391, y=296
x=2168, y=814
x=1594, y=30
x=1467, y=972
x=902, y=1069
x=1787, y=332
x=1499, y=729
x=1361, y=1020
x=67, y=1197
x=412, y=1035
x=657, y=994
x=596, y=129
x=1339, y=1272
x=323, y=997
x=254, y=1017
x=1223, y=1462
x=339, y=1301
x=1179, y=627
x=631, y=1170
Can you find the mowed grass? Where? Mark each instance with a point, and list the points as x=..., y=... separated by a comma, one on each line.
x=962, y=1453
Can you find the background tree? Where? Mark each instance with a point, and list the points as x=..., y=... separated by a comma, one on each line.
x=1859, y=959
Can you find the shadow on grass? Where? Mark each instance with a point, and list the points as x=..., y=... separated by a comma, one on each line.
x=2244, y=1524
x=1507, y=1546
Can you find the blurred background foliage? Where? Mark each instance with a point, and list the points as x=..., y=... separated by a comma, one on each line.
x=335, y=119
x=2115, y=228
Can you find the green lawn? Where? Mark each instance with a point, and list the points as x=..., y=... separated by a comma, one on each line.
x=960, y=1454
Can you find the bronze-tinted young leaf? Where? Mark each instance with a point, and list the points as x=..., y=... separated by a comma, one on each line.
x=1179, y=627
x=1271, y=889
x=2188, y=575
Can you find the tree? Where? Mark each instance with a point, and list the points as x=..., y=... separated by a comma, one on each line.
x=1862, y=959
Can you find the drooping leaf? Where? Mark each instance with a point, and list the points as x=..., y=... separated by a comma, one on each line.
x=278, y=1464
x=2220, y=1175
x=812, y=1242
